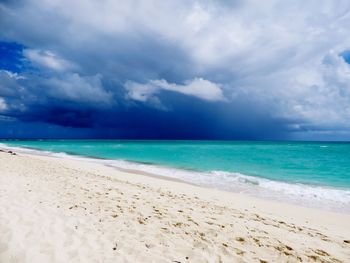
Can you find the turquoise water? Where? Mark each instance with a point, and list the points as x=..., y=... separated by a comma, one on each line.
x=312, y=163
x=307, y=173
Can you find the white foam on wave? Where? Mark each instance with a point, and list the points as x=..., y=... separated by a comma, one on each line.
x=33, y=151
x=309, y=195
x=291, y=190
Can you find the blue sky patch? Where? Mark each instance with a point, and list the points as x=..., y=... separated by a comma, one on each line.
x=346, y=56
x=11, y=57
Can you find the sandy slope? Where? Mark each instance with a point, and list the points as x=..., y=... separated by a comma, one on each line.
x=59, y=210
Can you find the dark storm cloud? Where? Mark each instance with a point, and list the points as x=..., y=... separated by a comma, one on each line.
x=175, y=69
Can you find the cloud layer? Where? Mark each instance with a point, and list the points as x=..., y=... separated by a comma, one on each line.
x=198, y=87
x=237, y=69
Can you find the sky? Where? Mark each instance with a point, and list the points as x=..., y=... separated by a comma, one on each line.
x=242, y=70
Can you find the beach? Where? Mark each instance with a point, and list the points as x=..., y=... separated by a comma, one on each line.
x=64, y=210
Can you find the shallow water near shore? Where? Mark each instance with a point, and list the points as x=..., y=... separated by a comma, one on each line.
x=318, y=174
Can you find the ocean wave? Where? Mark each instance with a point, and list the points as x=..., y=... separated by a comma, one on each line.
x=29, y=150
x=309, y=195
x=291, y=190
x=237, y=182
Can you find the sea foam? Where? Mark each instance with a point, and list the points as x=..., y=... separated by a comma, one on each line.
x=309, y=195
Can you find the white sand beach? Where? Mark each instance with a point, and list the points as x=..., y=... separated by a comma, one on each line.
x=62, y=210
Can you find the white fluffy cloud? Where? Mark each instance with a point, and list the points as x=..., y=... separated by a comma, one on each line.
x=198, y=87
x=322, y=93
x=48, y=60
x=67, y=87
x=73, y=87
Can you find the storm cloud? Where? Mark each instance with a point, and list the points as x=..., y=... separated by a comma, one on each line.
x=175, y=69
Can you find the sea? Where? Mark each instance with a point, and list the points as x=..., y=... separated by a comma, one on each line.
x=312, y=174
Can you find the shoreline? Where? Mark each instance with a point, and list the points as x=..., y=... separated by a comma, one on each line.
x=82, y=160
x=93, y=159
x=62, y=210
x=281, y=197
